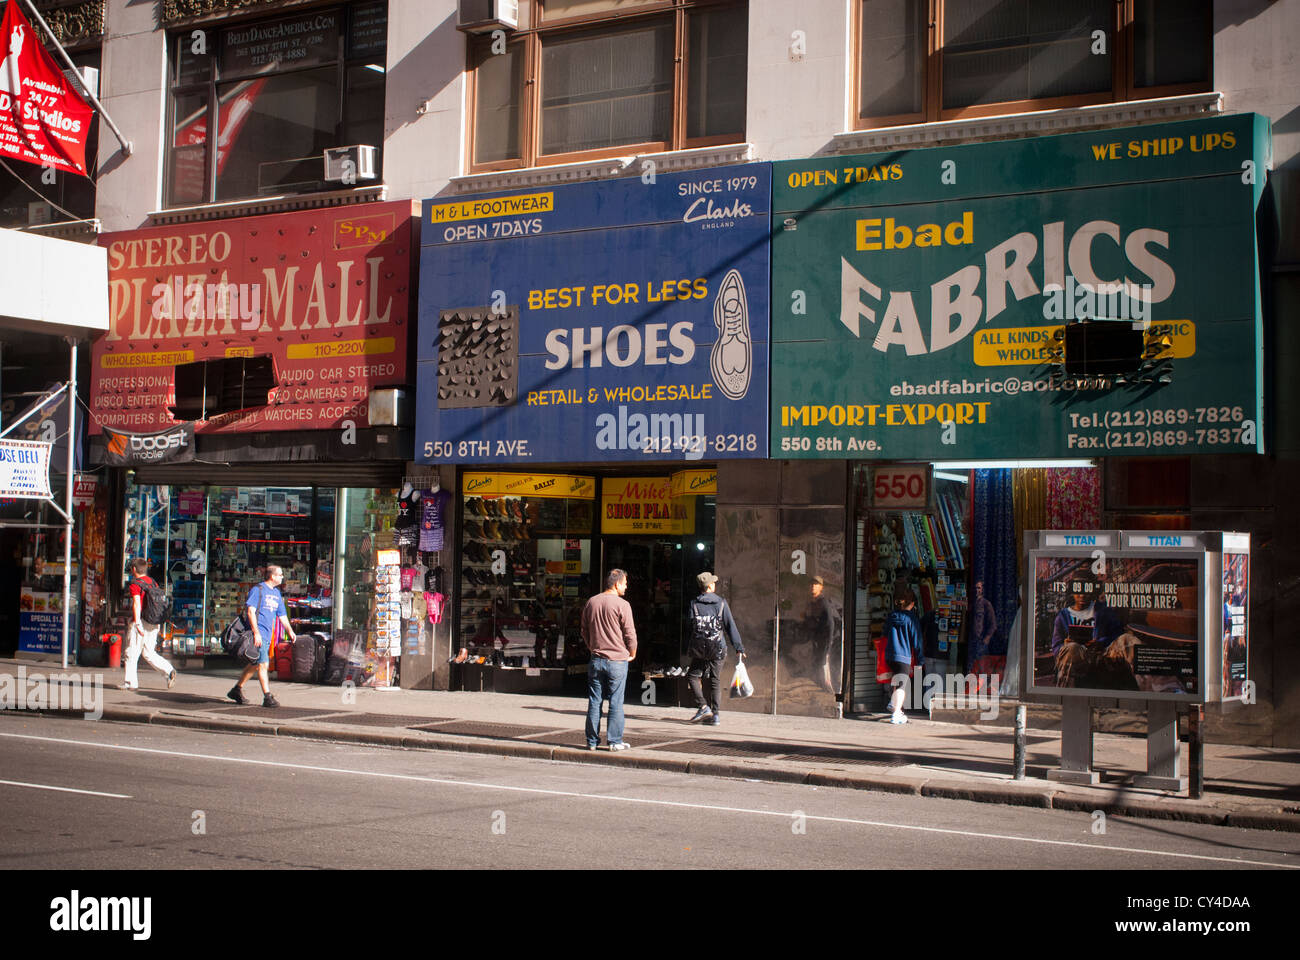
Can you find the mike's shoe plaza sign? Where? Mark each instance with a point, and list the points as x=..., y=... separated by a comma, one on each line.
x=916, y=295
x=609, y=321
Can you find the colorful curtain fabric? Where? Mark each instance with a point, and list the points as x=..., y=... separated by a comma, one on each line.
x=1074, y=499
x=995, y=557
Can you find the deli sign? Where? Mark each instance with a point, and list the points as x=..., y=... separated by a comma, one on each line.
x=324, y=294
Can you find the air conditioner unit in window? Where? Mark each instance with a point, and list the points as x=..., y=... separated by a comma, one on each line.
x=348, y=164
x=484, y=16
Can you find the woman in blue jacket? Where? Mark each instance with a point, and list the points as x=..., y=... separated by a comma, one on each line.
x=903, y=648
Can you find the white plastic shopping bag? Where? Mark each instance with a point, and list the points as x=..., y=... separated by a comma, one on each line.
x=740, y=685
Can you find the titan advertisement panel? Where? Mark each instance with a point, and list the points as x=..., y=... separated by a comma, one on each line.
x=917, y=294
x=618, y=320
x=1135, y=616
x=326, y=294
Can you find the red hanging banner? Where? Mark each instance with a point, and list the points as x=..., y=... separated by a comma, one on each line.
x=43, y=120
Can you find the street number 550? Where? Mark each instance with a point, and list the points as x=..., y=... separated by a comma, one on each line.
x=437, y=449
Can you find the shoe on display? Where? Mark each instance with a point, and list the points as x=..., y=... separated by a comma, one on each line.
x=731, y=358
x=268, y=700
x=619, y=746
x=237, y=695
x=701, y=714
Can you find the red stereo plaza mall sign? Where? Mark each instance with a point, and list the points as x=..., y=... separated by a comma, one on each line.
x=326, y=294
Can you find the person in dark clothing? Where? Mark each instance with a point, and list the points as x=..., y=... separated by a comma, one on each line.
x=711, y=627
x=903, y=648
x=819, y=630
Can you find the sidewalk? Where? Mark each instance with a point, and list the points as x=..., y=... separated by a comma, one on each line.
x=1253, y=787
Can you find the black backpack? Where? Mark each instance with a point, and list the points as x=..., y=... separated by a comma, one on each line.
x=707, y=640
x=236, y=634
x=155, y=605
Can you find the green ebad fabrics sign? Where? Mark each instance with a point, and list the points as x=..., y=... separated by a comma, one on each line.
x=915, y=295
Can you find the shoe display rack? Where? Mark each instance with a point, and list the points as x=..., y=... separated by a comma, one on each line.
x=498, y=600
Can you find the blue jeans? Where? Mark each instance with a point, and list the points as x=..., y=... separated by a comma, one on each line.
x=605, y=681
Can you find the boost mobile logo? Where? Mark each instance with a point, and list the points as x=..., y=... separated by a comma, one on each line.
x=161, y=443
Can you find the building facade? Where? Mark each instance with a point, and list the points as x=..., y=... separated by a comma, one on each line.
x=901, y=144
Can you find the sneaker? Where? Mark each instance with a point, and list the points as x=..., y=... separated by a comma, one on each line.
x=237, y=695
x=701, y=714
x=124, y=686
x=619, y=746
x=898, y=718
x=713, y=721
x=592, y=746
x=731, y=358
x=270, y=701
x=171, y=679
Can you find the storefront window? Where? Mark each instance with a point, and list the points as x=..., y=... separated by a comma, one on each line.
x=526, y=562
x=208, y=545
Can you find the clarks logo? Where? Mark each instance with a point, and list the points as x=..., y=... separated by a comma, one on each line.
x=705, y=209
x=75, y=913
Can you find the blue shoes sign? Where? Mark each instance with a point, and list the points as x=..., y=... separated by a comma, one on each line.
x=616, y=320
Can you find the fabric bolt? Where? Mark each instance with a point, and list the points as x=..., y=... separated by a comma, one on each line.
x=1074, y=499
x=433, y=520
x=995, y=560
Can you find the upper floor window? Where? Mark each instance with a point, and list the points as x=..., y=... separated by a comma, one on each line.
x=925, y=60
x=278, y=93
x=591, y=78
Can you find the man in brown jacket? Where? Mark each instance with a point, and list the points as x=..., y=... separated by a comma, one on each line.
x=608, y=632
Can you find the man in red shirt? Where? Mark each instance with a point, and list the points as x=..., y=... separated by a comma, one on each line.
x=142, y=637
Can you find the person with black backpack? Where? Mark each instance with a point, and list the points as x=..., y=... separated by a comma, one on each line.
x=150, y=609
x=710, y=626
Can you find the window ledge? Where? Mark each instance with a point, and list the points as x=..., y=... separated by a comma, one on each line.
x=281, y=204
x=83, y=230
x=669, y=161
x=1026, y=124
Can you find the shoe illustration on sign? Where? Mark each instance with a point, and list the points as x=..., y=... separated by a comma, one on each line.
x=731, y=358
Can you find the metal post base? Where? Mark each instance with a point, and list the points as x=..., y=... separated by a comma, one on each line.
x=1162, y=750
x=1076, y=744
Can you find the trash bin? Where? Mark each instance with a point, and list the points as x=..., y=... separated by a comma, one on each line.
x=112, y=642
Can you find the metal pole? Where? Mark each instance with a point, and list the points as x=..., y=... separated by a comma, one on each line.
x=94, y=101
x=776, y=651
x=1196, y=750
x=67, y=495
x=1021, y=717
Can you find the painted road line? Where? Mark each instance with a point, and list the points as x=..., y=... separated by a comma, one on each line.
x=43, y=786
x=611, y=798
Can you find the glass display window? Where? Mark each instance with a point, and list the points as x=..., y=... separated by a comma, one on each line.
x=525, y=566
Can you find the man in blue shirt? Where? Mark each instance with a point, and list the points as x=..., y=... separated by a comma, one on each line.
x=265, y=607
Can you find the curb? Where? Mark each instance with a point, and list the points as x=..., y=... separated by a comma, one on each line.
x=1054, y=798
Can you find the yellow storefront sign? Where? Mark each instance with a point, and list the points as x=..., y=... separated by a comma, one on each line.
x=645, y=506
x=517, y=205
x=1028, y=346
x=163, y=358
x=690, y=483
x=551, y=485
x=341, y=348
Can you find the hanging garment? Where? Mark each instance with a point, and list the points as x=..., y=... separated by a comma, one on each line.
x=433, y=519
